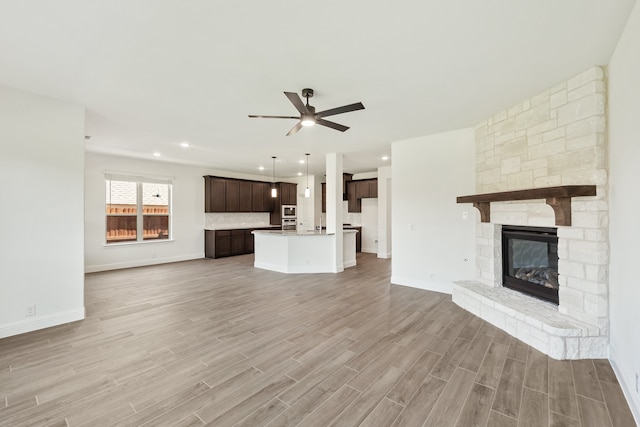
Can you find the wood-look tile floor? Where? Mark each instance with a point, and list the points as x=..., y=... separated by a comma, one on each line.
x=219, y=342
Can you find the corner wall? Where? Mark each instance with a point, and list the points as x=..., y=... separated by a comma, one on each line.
x=624, y=226
x=41, y=219
x=432, y=244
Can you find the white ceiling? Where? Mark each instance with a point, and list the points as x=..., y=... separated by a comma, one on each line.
x=157, y=72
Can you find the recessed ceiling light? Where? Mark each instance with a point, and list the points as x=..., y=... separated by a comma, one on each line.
x=385, y=157
x=184, y=144
x=261, y=168
x=301, y=162
x=157, y=154
x=299, y=173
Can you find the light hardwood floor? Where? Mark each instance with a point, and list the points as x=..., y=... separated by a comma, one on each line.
x=218, y=342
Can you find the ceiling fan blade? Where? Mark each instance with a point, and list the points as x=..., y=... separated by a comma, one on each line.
x=295, y=129
x=340, y=110
x=273, y=117
x=332, y=125
x=297, y=102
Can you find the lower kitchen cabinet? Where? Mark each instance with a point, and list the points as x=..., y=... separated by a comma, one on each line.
x=237, y=242
x=224, y=243
x=217, y=243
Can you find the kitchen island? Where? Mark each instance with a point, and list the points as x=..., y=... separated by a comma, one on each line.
x=302, y=252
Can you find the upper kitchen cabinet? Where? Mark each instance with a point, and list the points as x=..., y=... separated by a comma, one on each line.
x=353, y=204
x=232, y=196
x=346, y=178
x=358, y=190
x=214, y=194
x=261, y=196
x=366, y=188
x=245, y=196
x=235, y=195
x=288, y=193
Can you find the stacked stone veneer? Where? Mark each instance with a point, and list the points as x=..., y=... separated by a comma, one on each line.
x=557, y=137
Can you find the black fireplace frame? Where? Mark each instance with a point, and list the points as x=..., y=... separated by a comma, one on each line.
x=540, y=234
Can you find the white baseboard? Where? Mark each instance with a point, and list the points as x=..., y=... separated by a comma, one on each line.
x=298, y=269
x=40, y=322
x=628, y=388
x=427, y=285
x=350, y=263
x=384, y=255
x=140, y=263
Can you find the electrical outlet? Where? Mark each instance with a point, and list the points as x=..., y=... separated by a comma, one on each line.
x=31, y=310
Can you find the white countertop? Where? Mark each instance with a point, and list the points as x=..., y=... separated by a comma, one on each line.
x=240, y=227
x=298, y=233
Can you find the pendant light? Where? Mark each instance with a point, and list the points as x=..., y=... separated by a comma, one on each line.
x=307, y=192
x=274, y=192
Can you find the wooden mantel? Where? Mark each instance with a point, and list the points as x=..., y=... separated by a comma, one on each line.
x=559, y=198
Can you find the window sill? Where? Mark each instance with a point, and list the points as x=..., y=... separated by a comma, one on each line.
x=143, y=242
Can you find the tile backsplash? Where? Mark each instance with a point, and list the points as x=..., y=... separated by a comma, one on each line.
x=214, y=221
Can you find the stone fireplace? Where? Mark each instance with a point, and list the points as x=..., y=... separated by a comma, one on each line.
x=556, y=138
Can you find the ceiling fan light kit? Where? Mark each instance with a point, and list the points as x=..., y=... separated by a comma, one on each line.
x=308, y=116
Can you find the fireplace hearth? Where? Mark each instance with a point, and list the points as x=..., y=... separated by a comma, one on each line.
x=530, y=261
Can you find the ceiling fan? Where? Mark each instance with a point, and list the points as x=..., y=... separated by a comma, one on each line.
x=308, y=115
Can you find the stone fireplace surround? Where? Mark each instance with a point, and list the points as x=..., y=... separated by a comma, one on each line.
x=557, y=137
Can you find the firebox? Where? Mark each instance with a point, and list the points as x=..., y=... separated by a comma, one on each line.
x=530, y=261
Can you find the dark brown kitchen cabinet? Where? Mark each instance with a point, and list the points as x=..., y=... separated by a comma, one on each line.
x=361, y=189
x=260, y=196
x=215, y=198
x=224, y=243
x=232, y=196
x=217, y=243
x=373, y=188
x=288, y=193
x=245, y=196
x=248, y=241
x=366, y=188
x=237, y=242
x=235, y=195
x=353, y=203
x=346, y=178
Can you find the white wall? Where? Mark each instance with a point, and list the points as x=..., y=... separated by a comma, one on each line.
x=41, y=216
x=384, y=212
x=430, y=239
x=370, y=225
x=624, y=227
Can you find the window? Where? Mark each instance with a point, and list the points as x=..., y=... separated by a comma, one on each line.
x=137, y=209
